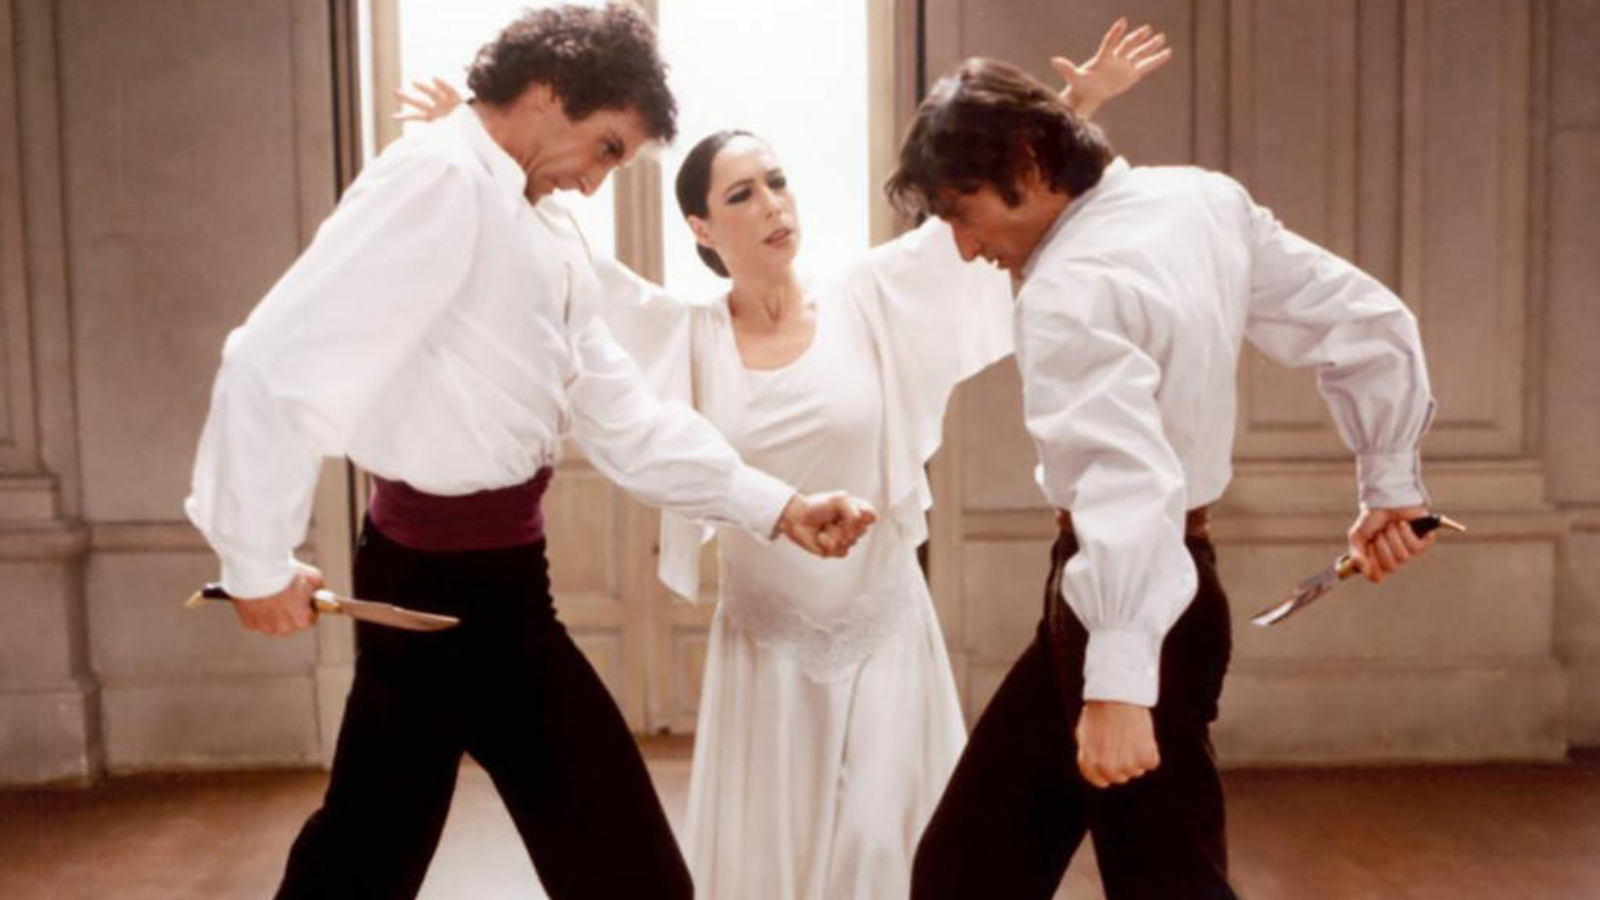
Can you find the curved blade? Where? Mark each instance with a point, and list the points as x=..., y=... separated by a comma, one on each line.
x=1312, y=589
x=394, y=616
x=366, y=610
x=1304, y=594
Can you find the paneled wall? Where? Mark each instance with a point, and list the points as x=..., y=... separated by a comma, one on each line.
x=1571, y=330
x=603, y=579
x=162, y=163
x=190, y=181
x=48, y=706
x=1412, y=138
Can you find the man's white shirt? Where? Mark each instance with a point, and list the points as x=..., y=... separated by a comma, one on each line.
x=439, y=330
x=1130, y=318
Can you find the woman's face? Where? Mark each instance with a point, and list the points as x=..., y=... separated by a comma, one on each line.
x=750, y=215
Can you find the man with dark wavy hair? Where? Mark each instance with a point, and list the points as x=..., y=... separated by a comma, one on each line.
x=1136, y=288
x=440, y=332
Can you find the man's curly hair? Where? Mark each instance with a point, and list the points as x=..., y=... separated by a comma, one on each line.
x=593, y=58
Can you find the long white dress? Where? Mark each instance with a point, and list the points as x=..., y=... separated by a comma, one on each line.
x=829, y=721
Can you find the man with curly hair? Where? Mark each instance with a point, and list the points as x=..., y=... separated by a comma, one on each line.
x=439, y=331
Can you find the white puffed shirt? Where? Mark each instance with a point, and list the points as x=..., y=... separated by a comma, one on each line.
x=440, y=331
x=1130, y=318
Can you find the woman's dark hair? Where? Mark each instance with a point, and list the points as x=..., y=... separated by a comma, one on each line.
x=694, y=187
x=982, y=127
x=593, y=58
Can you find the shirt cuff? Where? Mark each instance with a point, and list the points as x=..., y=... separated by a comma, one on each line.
x=1122, y=667
x=1391, y=480
x=757, y=501
x=256, y=580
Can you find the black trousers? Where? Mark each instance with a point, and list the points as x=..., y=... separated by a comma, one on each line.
x=1016, y=808
x=507, y=686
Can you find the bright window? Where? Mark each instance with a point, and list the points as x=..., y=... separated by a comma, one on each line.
x=794, y=74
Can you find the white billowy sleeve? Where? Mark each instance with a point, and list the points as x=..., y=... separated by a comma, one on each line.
x=657, y=331
x=662, y=452
x=1089, y=400
x=936, y=321
x=298, y=375
x=1308, y=307
x=650, y=325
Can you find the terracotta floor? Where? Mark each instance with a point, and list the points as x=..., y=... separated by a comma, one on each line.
x=1500, y=832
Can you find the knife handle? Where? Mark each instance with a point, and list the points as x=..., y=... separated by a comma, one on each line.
x=324, y=600
x=1430, y=523
x=1422, y=527
x=1426, y=525
x=212, y=591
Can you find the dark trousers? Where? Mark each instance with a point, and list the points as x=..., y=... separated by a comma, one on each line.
x=1016, y=808
x=507, y=686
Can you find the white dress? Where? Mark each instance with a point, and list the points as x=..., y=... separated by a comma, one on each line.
x=829, y=721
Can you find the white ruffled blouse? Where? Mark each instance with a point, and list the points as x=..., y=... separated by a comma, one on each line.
x=860, y=410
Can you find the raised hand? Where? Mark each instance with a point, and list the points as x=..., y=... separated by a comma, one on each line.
x=436, y=100
x=1381, y=541
x=1124, y=58
x=826, y=524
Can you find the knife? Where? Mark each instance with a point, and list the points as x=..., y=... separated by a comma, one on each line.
x=327, y=601
x=1309, y=591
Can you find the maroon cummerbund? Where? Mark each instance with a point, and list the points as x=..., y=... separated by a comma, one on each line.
x=486, y=520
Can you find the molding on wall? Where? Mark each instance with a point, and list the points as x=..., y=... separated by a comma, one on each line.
x=1289, y=487
x=44, y=242
x=55, y=542
x=1396, y=713
x=18, y=428
x=146, y=537
x=27, y=499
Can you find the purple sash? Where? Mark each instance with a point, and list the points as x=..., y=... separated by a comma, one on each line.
x=487, y=520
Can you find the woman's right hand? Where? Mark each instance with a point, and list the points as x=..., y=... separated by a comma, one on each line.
x=436, y=101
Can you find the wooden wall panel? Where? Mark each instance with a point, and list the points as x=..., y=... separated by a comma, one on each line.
x=17, y=447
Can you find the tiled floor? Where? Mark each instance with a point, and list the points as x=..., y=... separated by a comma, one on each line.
x=1501, y=832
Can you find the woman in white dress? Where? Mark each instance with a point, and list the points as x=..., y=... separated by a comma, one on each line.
x=829, y=720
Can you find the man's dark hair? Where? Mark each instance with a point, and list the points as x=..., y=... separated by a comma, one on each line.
x=694, y=187
x=593, y=58
x=982, y=127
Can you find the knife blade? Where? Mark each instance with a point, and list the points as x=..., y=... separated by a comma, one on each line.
x=327, y=601
x=1325, y=580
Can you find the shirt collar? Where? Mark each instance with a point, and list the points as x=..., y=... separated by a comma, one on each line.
x=507, y=174
x=1115, y=172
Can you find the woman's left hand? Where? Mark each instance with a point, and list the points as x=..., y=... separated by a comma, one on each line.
x=1124, y=58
